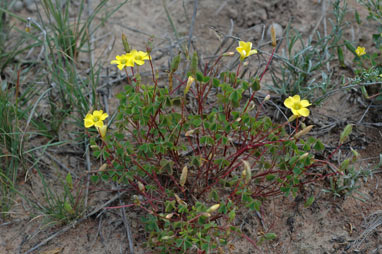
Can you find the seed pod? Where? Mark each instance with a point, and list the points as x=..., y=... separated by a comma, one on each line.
x=141, y=187
x=194, y=63
x=180, y=202
x=183, y=176
x=303, y=132
x=345, y=133
x=125, y=44
x=175, y=63
x=273, y=36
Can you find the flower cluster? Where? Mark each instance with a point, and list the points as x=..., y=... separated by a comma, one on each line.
x=96, y=119
x=298, y=106
x=131, y=58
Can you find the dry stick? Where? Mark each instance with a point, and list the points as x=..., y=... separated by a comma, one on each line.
x=73, y=224
x=325, y=34
x=126, y=224
x=192, y=24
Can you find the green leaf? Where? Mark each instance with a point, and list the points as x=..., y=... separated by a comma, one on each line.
x=309, y=201
x=319, y=146
x=345, y=133
x=357, y=19
x=341, y=56
x=350, y=47
x=270, y=236
x=199, y=76
x=69, y=180
x=68, y=207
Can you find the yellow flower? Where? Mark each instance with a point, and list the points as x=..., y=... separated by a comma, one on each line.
x=95, y=119
x=139, y=56
x=123, y=61
x=245, y=49
x=298, y=107
x=360, y=51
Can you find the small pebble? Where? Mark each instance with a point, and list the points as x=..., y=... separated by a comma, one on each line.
x=17, y=6
x=30, y=5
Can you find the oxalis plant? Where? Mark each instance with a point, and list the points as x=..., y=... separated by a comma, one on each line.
x=192, y=169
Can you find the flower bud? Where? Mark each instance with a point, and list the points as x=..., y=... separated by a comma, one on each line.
x=190, y=81
x=303, y=131
x=183, y=176
x=102, y=130
x=213, y=208
x=141, y=187
x=229, y=53
x=103, y=167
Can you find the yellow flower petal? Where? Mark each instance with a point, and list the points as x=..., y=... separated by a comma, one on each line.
x=99, y=124
x=304, y=112
x=289, y=102
x=97, y=113
x=296, y=98
x=253, y=51
x=88, y=123
x=104, y=116
x=305, y=103
x=242, y=44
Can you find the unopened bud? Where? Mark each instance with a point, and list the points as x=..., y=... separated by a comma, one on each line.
x=169, y=216
x=102, y=130
x=103, y=167
x=304, y=156
x=180, y=202
x=175, y=63
x=229, y=53
x=267, y=97
x=205, y=214
x=189, y=133
x=190, y=81
x=183, y=176
x=303, y=131
x=213, y=208
x=141, y=187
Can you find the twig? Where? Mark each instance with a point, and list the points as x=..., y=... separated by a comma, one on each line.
x=192, y=24
x=126, y=224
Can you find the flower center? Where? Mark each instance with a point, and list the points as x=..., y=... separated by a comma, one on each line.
x=123, y=61
x=297, y=106
x=95, y=119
